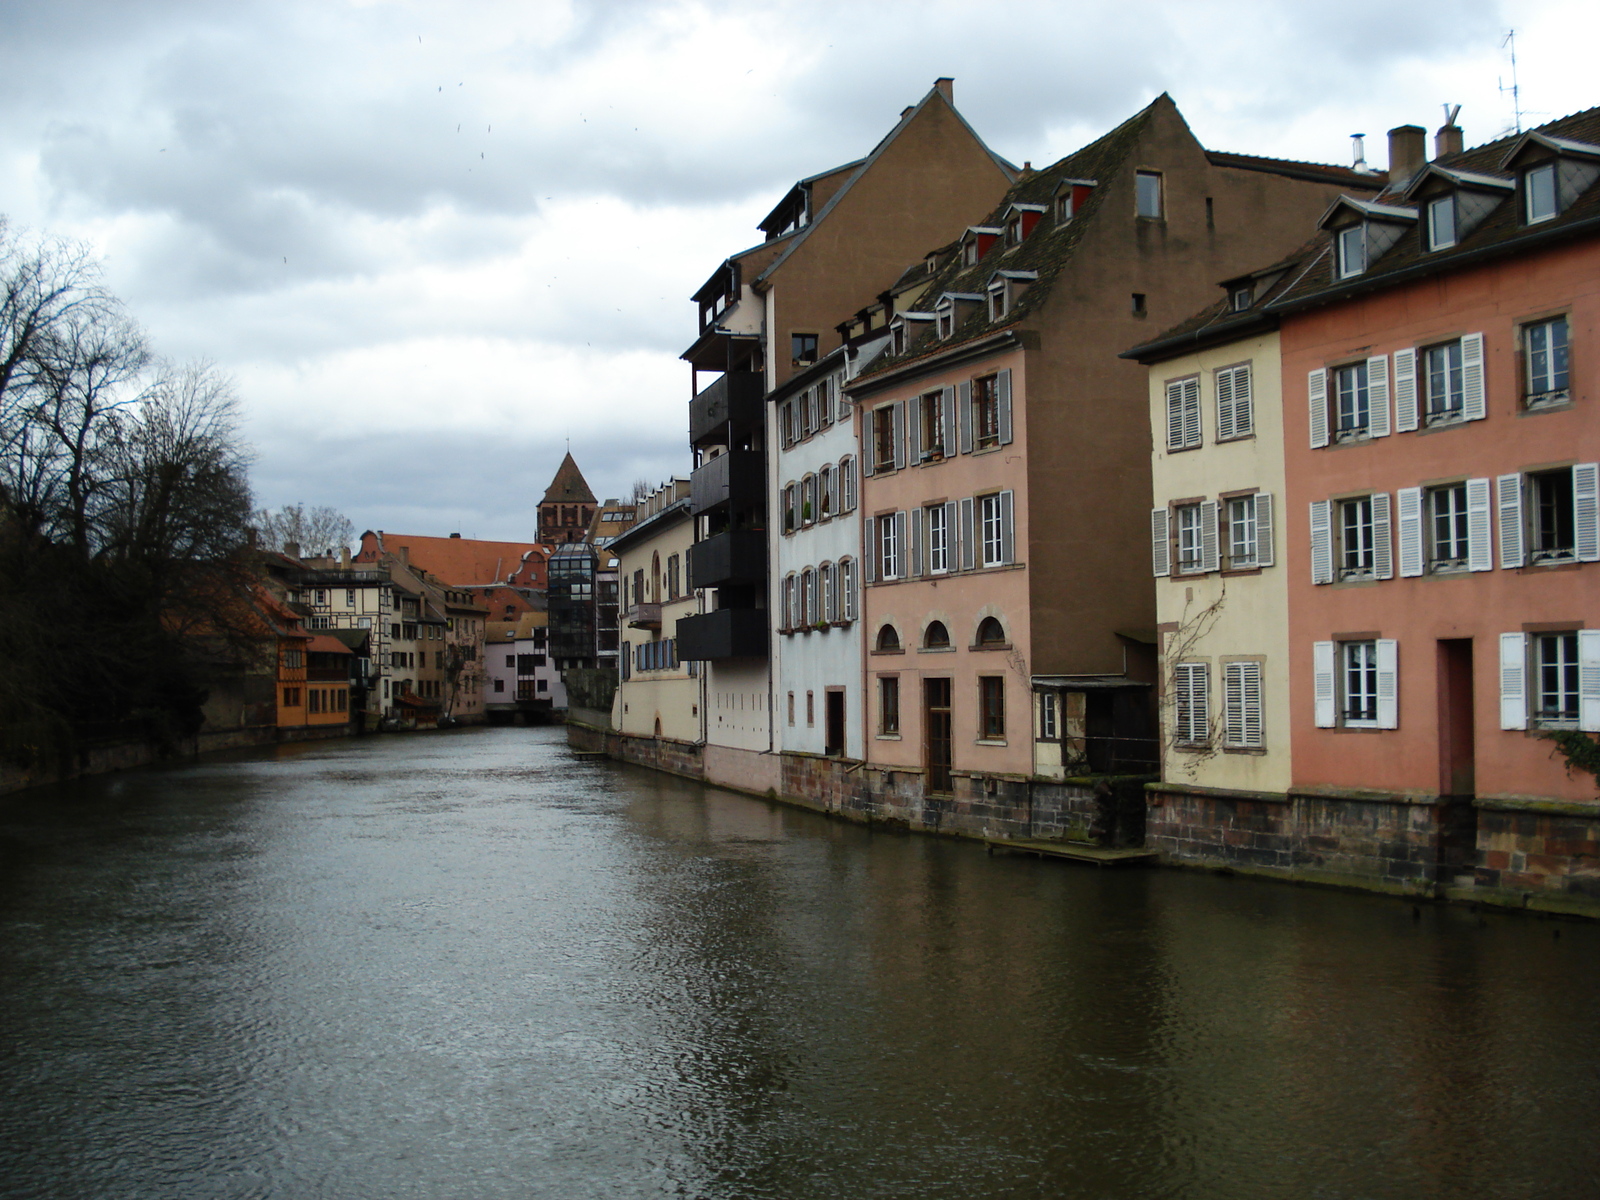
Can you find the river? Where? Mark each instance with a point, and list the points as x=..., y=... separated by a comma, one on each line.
x=469, y=964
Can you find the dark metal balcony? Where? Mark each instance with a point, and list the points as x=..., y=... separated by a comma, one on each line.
x=725, y=633
x=738, y=478
x=738, y=556
x=736, y=397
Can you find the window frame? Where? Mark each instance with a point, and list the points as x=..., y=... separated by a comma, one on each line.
x=1541, y=669
x=1459, y=538
x=888, y=706
x=937, y=519
x=1442, y=204
x=1343, y=569
x=1562, y=512
x=991, y=709
x=1360, y=395
x=1244, y=717
x=1533, y=397
x=1348, y=666
x=1049, y=717
x=1191, y=705
x=1149, y=193
x=986, y=412
x=1544, y=170
x=1452, y=378
x=1350, y=249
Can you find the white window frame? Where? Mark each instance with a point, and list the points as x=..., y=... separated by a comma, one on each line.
x=939, y=529
x=1149, y=199
x=1440, y=238
x=1542, y=381
x=1049, y=724
x=1533, y=211
x=1351, y=247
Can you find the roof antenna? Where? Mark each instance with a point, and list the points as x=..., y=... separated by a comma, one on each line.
x=1516, y=93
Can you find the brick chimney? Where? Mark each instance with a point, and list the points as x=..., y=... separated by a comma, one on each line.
x=947, y=87
x=344, y=558
x=1449, y=140
x=292, y=549
x=1408, y=152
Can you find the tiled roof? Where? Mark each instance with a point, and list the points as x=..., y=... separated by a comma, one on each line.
x=461, y=562
x=1318, y=172
x=569, y=485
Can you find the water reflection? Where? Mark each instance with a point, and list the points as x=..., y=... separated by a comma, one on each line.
x=470, y=965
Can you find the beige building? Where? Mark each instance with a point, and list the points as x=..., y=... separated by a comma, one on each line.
x=658, y=694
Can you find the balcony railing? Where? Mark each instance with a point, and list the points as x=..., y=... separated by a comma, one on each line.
x=735, y=397
x=738, y=478
x=738, y=556
x=643, y=616
x=725, y=633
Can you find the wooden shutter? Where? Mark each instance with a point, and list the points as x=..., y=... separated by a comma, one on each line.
x=900, y=545
x=1208, y=536
x=1244, y=402
x=1382, y=537
x=1378, y=396
x=1175, y=415
x=1480, y=536
x=1321, y=541
x=1241, y=704
x=914, y=430
x=1474, y=403
x=869, y=446
x=1513, y=681
x=964, y=407
x=1193, y=709
x=1160, y=542
x=968, y=549
x=1002, y=390
x=1317, y=399
x=1410, y=503
x=899, y=434
x=1388, y=683
x=1509, y=491
x=1264, y=547
x=1323, y=695
x=1224, y=386
x=948, y=425
x=825, y=401
x=1586, y=511
x=869, y=557
x=1405, y=391
x=1589, y=680
x=916, y=541
x=1007, y=529
x=850, y=484
x=783, y=424
x=1191, y=412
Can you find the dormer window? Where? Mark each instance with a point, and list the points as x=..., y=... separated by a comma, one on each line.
x=1241, y=298
x=1442, y=223
x=1064, y=207
x=997, y=300
x=969, y=253
x=1352, y=250
x=945, y=314
x=1539, y=188
x=897, y=338
x=1014, y=231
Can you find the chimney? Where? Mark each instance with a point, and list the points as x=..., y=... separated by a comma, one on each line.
x=947, y=88
x=292, y=549
x=1449, y=138
x=455, y=535
x=1408, y=151
x=344, y=558
x=403, y=553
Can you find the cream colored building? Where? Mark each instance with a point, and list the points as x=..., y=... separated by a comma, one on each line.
x=658, y=695
x=1217, y=545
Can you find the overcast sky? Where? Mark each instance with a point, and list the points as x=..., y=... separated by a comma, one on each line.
x=433, y=241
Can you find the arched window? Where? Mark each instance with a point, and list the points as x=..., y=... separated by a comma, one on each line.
x=936, y=636
x=888, y=638
x=991, y=632
x=808, y=499
x=655, y=577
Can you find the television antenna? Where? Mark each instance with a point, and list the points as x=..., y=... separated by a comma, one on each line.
x=1516, y=93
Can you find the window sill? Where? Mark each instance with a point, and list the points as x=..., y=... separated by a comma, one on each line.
x=1565, y=558
x=880, y=653
x=1193, y=747
x=1351, y=437
x=886, y=737
x=1356, y=581
x=1434, y=424
x=1558, y=402
x=1348, y=726
x=1256, y=750
x=989, y=646
x=1185, y=449
x=1237, y=571
x=936, y=650
x=991, y=742
x=1238, y=437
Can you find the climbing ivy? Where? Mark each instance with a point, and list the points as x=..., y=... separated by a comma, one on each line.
x=1581, y=750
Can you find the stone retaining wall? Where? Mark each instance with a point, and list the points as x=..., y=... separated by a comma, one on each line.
x=1538, y=855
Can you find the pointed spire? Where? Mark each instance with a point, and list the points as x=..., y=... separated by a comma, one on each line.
x=569, y=485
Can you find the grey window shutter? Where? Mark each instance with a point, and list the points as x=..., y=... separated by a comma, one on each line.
x=951, y=537
x=1321, y=541
x=964, y=406
x=900, y=555
x=1474, y=403
x=1002, y=386
x=869, y=451
x=914, y=431
x=1160, y=543
x=1007, y=529
x=1480, y=537
x=869, y=557
x=1378, y=395
x=783, y=424
x=1324, y=697
x=825, y=401
x=1589, y=680
x=1264, y=547
x=1405, y=391
x=1513, y=681
x=1317, y=399
x=1508, y=489
x=948, y=425
x=1388, y=683
x=916, y=542
x=899, y=434
x=1410, y=505
x=968, y=549
x=1208, y=535
x=1382, y=537
x=1586, y=511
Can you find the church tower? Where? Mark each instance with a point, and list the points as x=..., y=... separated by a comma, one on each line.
x=568, y=506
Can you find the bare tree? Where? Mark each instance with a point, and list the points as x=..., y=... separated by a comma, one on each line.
x=314, y=530
x=641, y=489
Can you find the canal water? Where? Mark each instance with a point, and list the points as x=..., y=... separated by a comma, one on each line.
x=469, y=964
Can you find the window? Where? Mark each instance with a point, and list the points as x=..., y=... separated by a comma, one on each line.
x=991, y=707
x=803, y=347
x=811, y=708
x=1351, y=244
x=789, y=505
x=1555, y=680
x=1147, y=191
x=1064, y=207
x=890, y=529
x=1183, y=413
x=945, y=315
x=847, y=590
x=808, y=598
x=1447, y=527
x=791, y=708
x=291, y=697
x=991, y=633
x=1358, y=671
x=1241, y=516
x=673, y=577
x=931, y=426
x=888, y=639
x=847, y=485
x=1356, y=683
x=1241, y=298
x=511, y=660
x=1049, y=727
x=936, y=636
x=1544, y=351
x=825, y=489
x=1443, y=385
x=828, y=586
x=883, y=438
x=994, y=529
x=938, y=518
x=1442, y=223
x=349, y=597
x=1197, y=537
x=1357, y=551
x=889, y=704
x=997, y=299
x=1551, y=528
x=1191, y=704
x=1352, y=402
x=791, y=602
x=1235, y=411
x=1564, y=690
x=897, y=337
x=1539, y=188
x=808, y=499
x=986, y=411
x=322, y=596
x=500, y=684
x=1241, y=706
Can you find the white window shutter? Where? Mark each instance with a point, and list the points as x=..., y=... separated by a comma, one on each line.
x=1208, y=535
x=1480, y=536
x=1007, y=529
x=1224, y=384
x=1589, y=680
x=1509, y=491
x=916, y=542
x=1474, y=403
x=1002, y=389
x=1321, y=541
x=1317, y=397
x=914, y=431
x=1378, y=396
x=1586, y=511
x=1175, y=415
x=1264, y=548
x=1405, y=391
x=1322, y=689
x=869, y=560
x=1160, y=543
x=1383, y=538
x=1191, y=412
x=968, y=549
x=1244, y=409
x=964, y=406
x=1411, y=561
x=1513, y=681
x=1388, y=683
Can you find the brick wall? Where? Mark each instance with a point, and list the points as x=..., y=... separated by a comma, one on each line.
x=1553, y=851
